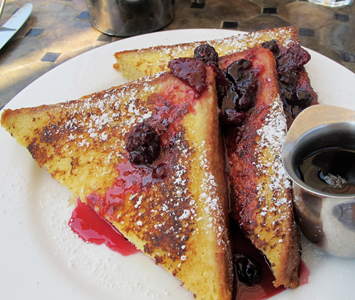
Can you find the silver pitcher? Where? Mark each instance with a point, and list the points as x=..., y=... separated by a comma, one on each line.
x=130, y=17
x=326, y=219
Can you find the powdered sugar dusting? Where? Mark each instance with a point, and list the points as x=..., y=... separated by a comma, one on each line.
x=90, y=119
x=174, y=211
x=209, y=197
x=272, y=135
x=225, y=46
x=239, y=43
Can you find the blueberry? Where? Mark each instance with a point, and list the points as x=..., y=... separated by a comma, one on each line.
x=248, y=272
x=143, y=144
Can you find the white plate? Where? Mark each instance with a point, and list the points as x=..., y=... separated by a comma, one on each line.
x=40, y=258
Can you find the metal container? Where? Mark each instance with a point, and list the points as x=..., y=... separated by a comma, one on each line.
x=332, y=3
x=326, y=219
x=130, y=17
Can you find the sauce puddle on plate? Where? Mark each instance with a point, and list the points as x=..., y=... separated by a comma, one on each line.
x=93, y=229
x=263, y=288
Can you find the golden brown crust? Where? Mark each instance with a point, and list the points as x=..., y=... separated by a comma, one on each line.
x=135, y=64
x=179, y=220
x=259, y=188
x=82, y=158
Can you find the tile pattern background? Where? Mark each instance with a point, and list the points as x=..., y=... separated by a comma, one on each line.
x=58, y=30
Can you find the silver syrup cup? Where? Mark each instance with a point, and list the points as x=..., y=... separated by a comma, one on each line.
x=130, y=17
x=325, y=219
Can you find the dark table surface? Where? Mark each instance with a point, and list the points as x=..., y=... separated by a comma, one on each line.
x=58, y=30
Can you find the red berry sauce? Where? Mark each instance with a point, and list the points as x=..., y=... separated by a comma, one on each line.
x=93, y=229
x=263, y=289
x=89, y=223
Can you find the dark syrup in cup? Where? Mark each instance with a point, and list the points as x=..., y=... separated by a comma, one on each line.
x=330, y=170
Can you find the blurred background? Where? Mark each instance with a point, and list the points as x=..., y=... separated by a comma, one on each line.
x=58, y=30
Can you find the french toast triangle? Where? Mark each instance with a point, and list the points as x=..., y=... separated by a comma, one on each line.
x=260, y=191
x=148, y=156
x=138, y=63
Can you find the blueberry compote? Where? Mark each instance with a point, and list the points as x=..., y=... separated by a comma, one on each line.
x=191, y=71
x=237, y=88
x=296, y=91
x=149, y=159
x=253, y=277
x=143, y=144
x=207, y=54
x=241, y=92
